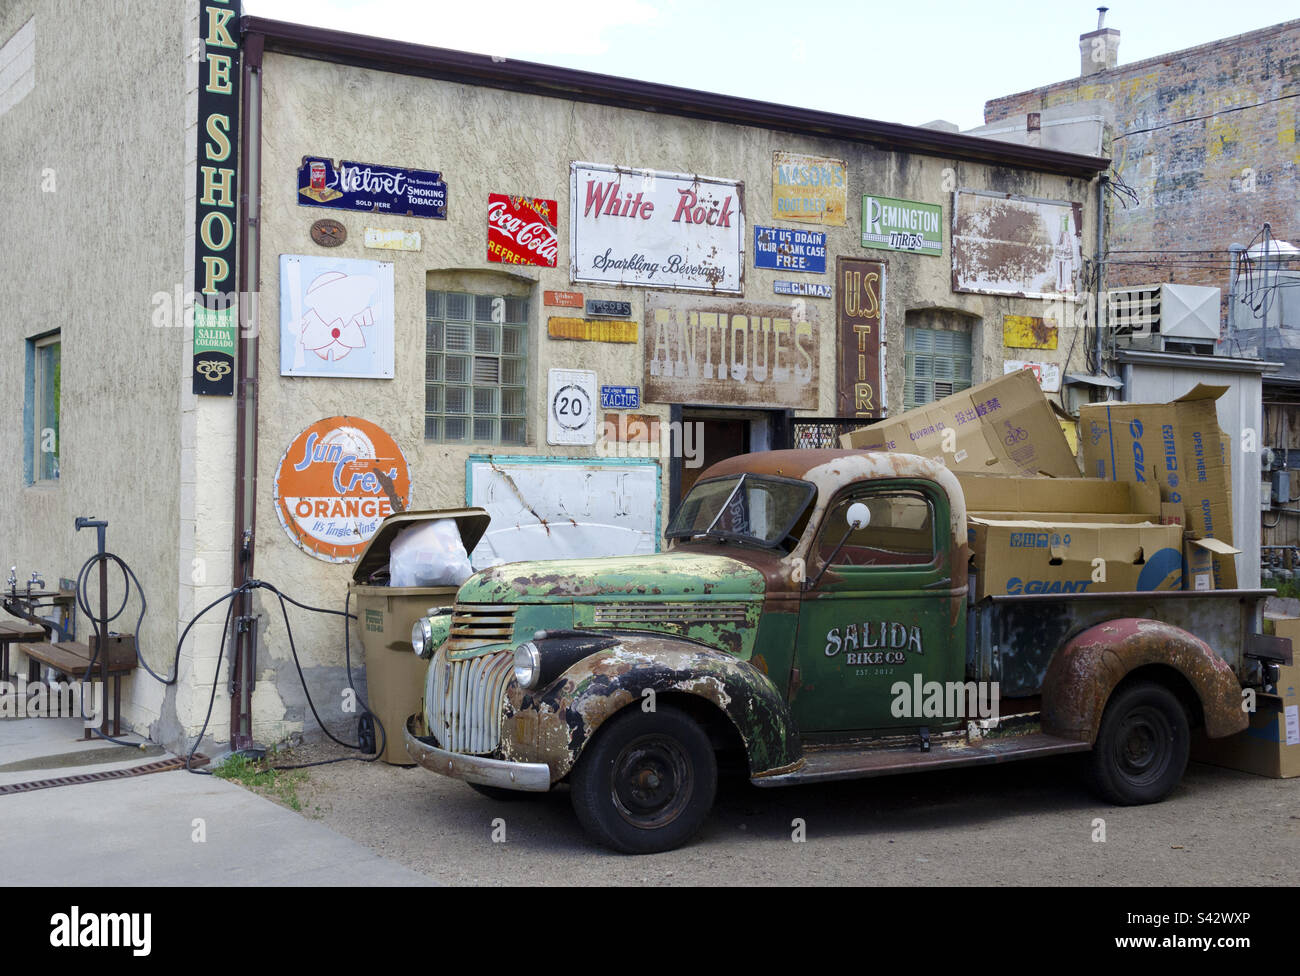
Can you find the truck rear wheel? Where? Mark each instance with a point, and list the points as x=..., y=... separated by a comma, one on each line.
x=646, y=782
x=1142, y=745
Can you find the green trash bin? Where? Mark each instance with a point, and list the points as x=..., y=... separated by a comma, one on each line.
x=385, y=615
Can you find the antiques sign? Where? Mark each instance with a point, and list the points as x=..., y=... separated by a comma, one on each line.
x=860, y=317
x=216, y=305
x=708, y=350
x=656, y=230
x=371, y=188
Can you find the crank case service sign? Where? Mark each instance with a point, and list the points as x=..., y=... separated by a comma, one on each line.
x=337, y=481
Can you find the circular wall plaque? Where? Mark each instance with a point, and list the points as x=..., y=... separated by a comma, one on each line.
x=328, y=233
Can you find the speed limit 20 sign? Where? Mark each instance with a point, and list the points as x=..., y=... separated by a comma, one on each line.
x=571, y=406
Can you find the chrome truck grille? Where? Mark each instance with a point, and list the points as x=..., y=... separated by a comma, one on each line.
x=466, y=701
x=476, y=625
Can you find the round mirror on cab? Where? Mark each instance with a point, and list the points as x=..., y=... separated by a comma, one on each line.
x=859, y=515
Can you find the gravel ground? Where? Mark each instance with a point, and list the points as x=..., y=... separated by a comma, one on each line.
x=1027, y=823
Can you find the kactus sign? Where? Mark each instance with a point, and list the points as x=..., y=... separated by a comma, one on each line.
x=656, y=230
x=216, y=192
x=336, y=482
x=732, y=353
x=859, y=315
x=522, y=231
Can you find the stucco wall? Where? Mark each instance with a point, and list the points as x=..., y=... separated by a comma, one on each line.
x=483, y=141
x=91, y=192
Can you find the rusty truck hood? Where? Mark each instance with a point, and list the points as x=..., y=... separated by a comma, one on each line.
x=664, y=575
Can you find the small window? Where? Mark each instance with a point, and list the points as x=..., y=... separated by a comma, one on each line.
x=936, y=363
x=475, y=368
x=43, y=389
x=899, y=533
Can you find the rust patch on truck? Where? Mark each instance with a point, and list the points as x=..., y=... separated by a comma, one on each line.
x=1084, y=673
x=555, y=725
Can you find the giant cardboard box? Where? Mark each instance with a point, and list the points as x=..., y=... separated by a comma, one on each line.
x=1180, y=446
x=1271, y=745
x=990, y=493
x=1004, y=426
x=1032, y=556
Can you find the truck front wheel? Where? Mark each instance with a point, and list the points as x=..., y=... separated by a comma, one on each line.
x=1142, y=745
x=646, y=782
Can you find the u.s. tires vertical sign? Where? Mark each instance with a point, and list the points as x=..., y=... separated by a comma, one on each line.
x=216, y=302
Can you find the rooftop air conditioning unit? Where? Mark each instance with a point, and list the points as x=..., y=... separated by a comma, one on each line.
x=1165, y=318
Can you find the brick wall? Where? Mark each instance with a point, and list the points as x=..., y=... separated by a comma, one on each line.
x=1209, y=140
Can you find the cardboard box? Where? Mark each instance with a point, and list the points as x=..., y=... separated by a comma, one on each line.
x=1271, y=745
x=1198, y=561
x=987, y=493
x=1004, y=426
x=1178, y=445
x=1031, y=556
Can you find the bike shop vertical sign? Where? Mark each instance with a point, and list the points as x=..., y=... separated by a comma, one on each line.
x=216, y=304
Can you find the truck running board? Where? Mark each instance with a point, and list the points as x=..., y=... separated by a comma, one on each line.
x=823, y=764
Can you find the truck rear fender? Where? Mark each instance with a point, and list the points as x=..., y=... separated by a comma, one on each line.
x=1085, y=672
x=555, y=723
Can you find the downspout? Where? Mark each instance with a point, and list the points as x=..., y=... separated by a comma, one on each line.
x=243, y=667
x=1101, y=270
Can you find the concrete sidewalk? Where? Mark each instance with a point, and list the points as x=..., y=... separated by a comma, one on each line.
x=146, y=830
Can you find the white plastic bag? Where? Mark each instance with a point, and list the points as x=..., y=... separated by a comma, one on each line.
x=428, y=554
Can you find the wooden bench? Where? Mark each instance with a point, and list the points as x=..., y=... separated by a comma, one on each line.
x=73, y=660
x=11, y=632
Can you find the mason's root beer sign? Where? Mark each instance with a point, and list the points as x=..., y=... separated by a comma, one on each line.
x=338, y=480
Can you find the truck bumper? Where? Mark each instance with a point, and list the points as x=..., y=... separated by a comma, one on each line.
x=532, y=777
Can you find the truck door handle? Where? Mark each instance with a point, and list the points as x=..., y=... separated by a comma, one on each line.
x=946, y=581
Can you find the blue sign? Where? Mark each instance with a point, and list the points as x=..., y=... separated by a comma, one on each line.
x=789, y=250
x=812, y=289
x=620, y=397
x=372, y=189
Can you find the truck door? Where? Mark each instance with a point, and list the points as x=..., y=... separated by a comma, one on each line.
x=884, y=611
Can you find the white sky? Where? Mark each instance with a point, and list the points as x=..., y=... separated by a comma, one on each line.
x=905, y=62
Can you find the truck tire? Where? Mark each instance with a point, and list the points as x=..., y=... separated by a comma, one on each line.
x=1142, y=745
x=646, y=782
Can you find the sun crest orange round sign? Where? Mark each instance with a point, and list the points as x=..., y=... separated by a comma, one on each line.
x=338, y=480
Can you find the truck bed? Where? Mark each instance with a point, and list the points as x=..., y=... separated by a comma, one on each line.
x=1011, y=639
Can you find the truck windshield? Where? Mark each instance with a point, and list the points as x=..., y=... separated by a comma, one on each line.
x=747, y=508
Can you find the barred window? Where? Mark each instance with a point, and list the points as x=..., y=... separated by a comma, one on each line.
x=936, y=363
x=476, y=349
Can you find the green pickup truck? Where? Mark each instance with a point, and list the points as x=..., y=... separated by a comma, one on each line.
x=812, y=619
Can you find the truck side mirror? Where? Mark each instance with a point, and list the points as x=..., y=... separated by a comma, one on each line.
x=858, y=517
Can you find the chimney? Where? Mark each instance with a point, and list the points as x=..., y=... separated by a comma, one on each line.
x=1099, y=49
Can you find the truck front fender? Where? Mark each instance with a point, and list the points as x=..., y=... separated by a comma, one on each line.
x=554, y=723
x=1083, y=674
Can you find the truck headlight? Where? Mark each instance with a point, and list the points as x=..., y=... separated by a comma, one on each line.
x=422, y=637
x=528, y=665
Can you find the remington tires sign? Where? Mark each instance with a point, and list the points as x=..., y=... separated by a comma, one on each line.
x=902, y=225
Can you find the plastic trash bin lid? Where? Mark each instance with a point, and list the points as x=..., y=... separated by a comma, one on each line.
x=472, y=522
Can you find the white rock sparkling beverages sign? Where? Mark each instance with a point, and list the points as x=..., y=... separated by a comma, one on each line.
x=656, y=230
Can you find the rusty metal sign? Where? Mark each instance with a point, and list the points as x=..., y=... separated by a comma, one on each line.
x=1028, y=332
x=1009, y=245
x=718, y=351
x=563, y=299
x=809, y=189
x=860, y=331
x=656, y=230
x=591, y=330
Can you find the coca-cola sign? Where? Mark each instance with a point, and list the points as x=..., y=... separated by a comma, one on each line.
x=522, y=231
